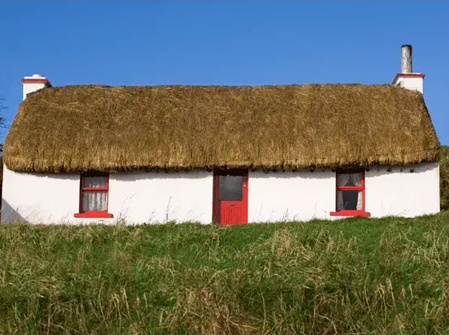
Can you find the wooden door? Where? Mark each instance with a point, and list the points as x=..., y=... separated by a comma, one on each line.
x=230, y=196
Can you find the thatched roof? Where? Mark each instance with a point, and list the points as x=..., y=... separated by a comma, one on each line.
x=76, y=128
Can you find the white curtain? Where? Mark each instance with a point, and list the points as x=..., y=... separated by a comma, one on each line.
x=97, y=181
x=357, y=180
x=94, y=201
x=343, y=179
x=340, y=204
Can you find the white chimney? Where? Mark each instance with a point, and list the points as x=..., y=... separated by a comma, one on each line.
x=407, y=78
x=34, y=83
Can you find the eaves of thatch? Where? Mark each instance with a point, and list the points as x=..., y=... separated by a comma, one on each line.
x=89, y=127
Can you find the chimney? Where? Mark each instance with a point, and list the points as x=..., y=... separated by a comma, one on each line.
x=406, y=59
x=407, y=78
x=34, y=83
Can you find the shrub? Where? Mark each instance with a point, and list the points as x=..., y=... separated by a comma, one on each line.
x=444, y=177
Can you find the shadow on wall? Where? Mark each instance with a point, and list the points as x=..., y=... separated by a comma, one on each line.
x=157, y=175
x=9, y=214
x=288, y=174
x=382, y=170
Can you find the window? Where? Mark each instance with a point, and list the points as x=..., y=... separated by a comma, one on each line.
x=350, y=193
x=94, y=193
x=230, y=188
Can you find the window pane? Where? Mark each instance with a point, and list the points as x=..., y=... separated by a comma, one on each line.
x=349, y=179
x=349, y=200
x=230, y=188
x=95, y=181
x=94, y=201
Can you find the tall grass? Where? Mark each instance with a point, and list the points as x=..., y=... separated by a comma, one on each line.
x=352, y=276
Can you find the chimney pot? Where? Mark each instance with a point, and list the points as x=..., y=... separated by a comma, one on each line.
x=406, y=59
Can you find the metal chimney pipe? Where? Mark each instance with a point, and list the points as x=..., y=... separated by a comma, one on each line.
x=406, y=58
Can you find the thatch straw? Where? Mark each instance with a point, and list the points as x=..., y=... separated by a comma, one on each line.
x=76, y=128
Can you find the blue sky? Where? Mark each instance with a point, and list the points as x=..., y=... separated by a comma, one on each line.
x=225, y=43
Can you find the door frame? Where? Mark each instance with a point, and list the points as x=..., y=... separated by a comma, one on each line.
x=216, y=205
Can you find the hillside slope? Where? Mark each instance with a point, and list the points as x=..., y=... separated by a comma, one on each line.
x=356, y=275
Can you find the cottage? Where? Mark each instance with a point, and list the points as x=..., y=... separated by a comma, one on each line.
x=229, y=154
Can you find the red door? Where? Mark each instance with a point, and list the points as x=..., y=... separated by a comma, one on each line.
x=230, y=196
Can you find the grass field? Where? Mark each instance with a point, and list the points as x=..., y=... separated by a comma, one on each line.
x=351, y=276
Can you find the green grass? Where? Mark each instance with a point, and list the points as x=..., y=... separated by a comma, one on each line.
x=356, y=275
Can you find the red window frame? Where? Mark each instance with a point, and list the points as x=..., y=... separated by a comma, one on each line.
x=93, y=214
x=361, y=212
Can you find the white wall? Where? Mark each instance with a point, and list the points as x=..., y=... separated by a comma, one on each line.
x=288, y=196
x=187, y=196
x=403, y=193
x=305, y=195
x=39, y=198
x=32, y=87
x=411, y=83
x=133, y=197
x=160, y=197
